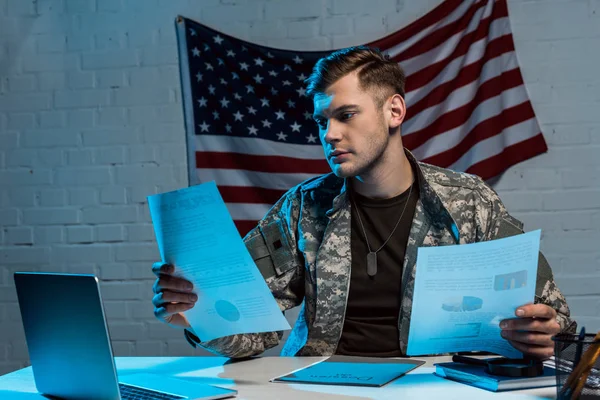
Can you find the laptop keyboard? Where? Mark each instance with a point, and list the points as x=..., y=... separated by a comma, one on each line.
x=135, y=393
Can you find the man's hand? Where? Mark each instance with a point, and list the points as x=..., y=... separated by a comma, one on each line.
x=172, y=296
x=531, y=333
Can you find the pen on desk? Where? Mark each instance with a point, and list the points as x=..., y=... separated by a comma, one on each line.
x=579, y=347
x=578, y=377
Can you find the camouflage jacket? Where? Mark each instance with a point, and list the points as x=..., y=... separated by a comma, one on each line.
x=302, y=247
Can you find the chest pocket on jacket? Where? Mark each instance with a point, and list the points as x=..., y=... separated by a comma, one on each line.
x=270, y=248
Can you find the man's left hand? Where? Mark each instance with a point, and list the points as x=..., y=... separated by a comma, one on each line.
x=531, y=333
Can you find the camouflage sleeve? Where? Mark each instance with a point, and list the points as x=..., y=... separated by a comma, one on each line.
x=546, y=292
x=273, y=248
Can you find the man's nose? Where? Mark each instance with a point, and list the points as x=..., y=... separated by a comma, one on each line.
x=333, y=133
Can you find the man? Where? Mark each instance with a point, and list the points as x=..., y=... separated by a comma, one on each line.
x=344, y=244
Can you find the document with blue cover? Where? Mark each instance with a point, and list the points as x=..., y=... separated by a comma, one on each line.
x=461, y=293
x=195, y=232
x=352, y=371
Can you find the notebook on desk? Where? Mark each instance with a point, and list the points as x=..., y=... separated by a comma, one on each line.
x=352, y=371
x=475, y=375
x=70, y=350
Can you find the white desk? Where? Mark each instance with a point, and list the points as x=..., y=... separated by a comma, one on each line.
x=251, y=379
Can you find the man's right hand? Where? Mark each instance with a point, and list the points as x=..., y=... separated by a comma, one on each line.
x=172, y=296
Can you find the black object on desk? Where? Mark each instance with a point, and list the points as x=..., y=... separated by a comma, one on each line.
x=512, y=367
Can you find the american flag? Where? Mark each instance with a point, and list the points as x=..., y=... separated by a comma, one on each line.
x=249, y=122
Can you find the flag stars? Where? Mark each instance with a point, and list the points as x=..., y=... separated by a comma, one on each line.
x=228, y=128
x=270, y=55
x=266, y=123
x=220, y=61
x=211, y=89
x=302, y=77
x=286, y=67
x=202, y=102
x=223, y=81
x=237, y=96
x=280, y=114
x=311, y=138
x=204, y=126
x=192, y=32
x=307, y=115
x=259, y=61
x=291, y=104
x=297, y=59
x=218, y=39
x=274, y=91
x=206, y=48
x=238, y=116
x=230, y=53
x=252, y=110
x=195, y=52
x=264, y=102
x=286, y=83
x=215, y=115
x=296, y=127
x=301, y=91
x=272, y=73
x=243, y=66
x=281, y=136
x=209, y=67
x=252, y=130
x=224, y=102
x=258, y=79
x=199, y=77
x=249, y=89
x=234, y=76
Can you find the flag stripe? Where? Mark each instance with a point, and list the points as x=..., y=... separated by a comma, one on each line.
x=485, y=110
x=247, y=194
x=442, y=34
x=256, y=146
x=264, y=163
x=486, y=129
x=266, y=180
x=446, y=11
x=458, y=45
x=497, y=60
x=461, y=115
x=509, y=156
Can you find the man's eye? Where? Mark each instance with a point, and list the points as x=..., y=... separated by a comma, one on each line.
x=347, y=115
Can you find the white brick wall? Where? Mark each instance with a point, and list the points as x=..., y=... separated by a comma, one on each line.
x=91, y=123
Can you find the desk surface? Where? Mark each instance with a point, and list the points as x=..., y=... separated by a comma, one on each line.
x=251, y=379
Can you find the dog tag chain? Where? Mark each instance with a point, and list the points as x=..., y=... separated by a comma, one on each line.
x=372, y=256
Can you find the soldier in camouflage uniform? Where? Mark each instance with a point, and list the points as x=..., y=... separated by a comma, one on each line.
x=303, y=245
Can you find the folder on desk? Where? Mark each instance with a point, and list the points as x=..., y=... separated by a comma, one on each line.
x=352, y=371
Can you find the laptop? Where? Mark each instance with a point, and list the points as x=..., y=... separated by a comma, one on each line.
x=69, y=345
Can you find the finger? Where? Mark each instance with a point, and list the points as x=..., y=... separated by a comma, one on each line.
x=550, y=326
x=169, y=309
x=173, y=283
x=536, y=311
x=530, y=338
x=540, y=352
x=159, y=268
x=166, y=296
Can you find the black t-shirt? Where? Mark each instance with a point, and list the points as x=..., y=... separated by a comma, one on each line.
x=371, y=322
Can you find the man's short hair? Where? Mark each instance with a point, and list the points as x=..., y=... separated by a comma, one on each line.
x=376, y=72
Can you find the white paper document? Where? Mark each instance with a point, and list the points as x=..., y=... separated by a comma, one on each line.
x=195, y=232
x=463, y=292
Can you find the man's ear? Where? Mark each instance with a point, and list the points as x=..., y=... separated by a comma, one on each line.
x=397, y=108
